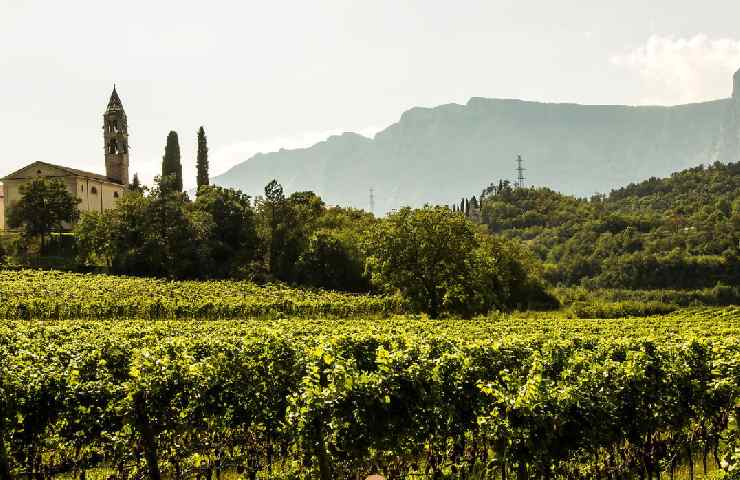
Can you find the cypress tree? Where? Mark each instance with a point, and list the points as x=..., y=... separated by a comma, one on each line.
x=202, y=163
x=171, y=166
x=135, y=185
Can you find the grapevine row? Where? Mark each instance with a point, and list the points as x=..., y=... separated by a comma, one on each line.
x=29, y=294
x=497, y=398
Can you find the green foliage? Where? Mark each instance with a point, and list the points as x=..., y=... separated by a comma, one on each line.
x=136, y=185
x=677, y=232
x=44, y=206
x=202, y=159
x=232, y=240
x=171, y=166
x=94, y=234
x=159, y=234
x=285, y=226
x=619, y=309
x=327, y=263
x=440, y=263
x=718, y=295
x=527, y=398
x=73, y=295
x=426, y=254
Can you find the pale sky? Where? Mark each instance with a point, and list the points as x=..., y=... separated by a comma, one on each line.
x=261, y=75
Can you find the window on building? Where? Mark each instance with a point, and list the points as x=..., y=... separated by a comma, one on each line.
x=115, y=194
x=93, y=190
x=38, y=172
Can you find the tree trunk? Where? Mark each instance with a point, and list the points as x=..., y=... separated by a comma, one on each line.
x=324, y=466
x=4, y=464
x=433, y=304
x=691, y=462
x=522, y=472
x=147, y=438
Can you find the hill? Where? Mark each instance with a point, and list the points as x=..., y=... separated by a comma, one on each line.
x=433, y=155
x=677, y=232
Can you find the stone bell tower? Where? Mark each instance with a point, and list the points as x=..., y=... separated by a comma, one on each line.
x=115, y=133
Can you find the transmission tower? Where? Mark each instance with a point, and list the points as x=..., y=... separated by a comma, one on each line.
x=519, y=172
x=372, y=201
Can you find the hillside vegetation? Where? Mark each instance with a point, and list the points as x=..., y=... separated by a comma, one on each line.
x=680, y=232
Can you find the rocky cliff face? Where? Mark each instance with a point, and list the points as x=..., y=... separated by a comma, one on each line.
x=729, y=144
x=436, y=155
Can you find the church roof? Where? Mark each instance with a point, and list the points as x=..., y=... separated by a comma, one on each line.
x=18, y=174
x=115, y=102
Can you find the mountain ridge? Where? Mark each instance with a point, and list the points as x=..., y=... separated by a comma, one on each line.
x=434, y=154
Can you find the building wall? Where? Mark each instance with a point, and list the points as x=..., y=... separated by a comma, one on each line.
x=11, y=194
x=94, y=195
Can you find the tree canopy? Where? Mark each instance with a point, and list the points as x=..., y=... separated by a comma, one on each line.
x=171, y=166
x=440, y=262
x=676, y=232
x=45, y=205
x=202, y=159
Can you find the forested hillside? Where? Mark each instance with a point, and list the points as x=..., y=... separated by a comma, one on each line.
x=677, y=232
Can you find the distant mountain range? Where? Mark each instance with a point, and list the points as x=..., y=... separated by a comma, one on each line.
x=436, y=155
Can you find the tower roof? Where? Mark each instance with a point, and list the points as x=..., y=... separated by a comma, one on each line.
x=114, y=103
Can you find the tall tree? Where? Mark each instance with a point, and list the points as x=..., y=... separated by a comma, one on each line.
x=135, y=185
x=275, y=212
x=202, y=162
x=423, y=253
x=440, y=262
x=44, y=206
x=171, y=166
x=233, y=234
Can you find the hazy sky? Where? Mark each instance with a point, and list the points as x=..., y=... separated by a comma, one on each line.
x=260, y=75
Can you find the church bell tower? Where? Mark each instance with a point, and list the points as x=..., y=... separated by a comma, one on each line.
x=115, y=134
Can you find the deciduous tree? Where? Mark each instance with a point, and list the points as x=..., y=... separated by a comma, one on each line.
x=423, y=253
x=44, y=206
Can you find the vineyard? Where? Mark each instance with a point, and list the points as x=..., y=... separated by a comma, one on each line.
x=288, y=398
x=35, y=294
